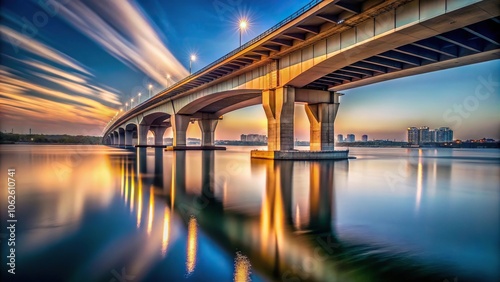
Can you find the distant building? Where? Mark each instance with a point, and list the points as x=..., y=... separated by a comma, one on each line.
x=444, y=134
x=413, y=135
x=350, y=138
x=253, y=138
x=364, y=138
x=340, y=138
x=432, y=134
x=423, y=135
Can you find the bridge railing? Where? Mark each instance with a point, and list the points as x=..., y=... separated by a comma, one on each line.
x=288, y=19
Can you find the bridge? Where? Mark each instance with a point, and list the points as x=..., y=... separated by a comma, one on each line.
x=325, y=47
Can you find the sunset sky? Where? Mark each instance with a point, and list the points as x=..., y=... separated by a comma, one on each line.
x=68, y=66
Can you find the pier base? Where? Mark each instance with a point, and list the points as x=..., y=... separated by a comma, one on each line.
x=300, y=155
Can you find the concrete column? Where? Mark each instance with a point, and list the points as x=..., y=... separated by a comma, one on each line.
x=179, y=126
x=158, y=132
x=115, y=138
x=121, y=137
x=128, y=137
x=321, y=118
x=142, y=134
x=279, y=107
x=207, y=127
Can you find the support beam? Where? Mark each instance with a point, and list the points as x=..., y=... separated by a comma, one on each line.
x=309, y=28
x=142, y=134
x=158, y=131
x=207, y=127
x=180, y=124
x=321, y=118
x=128, y=137
x=279, y=108
x=121, y=137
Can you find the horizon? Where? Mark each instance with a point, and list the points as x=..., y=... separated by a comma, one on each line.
x=59, y=86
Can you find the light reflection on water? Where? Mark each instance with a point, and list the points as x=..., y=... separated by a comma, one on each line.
x=391, y=214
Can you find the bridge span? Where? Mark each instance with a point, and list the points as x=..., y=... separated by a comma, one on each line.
x=325, y=47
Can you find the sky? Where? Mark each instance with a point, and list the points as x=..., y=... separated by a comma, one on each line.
x=68, y=66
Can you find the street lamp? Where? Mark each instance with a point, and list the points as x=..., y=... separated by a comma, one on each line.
x=168, y=79
x=191, y=59
x=243, y=25
x=150, y=88
x=131, y=102
x=139, y=98
x=126, y=106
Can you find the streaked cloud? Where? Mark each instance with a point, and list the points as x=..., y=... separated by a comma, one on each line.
x=18, y=40
x=123, y=30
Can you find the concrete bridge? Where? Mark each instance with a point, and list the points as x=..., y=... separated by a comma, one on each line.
x=325, y=47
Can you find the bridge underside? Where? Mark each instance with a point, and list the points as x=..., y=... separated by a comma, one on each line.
x=470, y=44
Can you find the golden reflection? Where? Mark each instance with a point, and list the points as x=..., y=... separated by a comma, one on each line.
x=166, y=231
x=132, y=191
x=297, y=217
x=122, y=166
x=126, y=186
x=242, y=268
x=419, y=180
x=151, y=209
x=139, y=204
x=191, y=245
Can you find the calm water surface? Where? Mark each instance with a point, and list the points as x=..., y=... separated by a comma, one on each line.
x=95, y=213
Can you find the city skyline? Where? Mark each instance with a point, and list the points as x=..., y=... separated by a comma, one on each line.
x=56, y=85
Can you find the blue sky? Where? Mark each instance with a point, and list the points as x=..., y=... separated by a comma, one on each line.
x=68, y=66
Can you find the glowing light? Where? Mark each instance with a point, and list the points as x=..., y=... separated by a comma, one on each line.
x=132, y=192
x=242, y=268
x=151, y=209
x=243, y=24
x=150, y=86
x=193, y=58
x=139, y=205
x=166, y=231
x=191, y=245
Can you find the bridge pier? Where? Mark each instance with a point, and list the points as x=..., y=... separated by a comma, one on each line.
x=207, y=127
x=158, y=131
x=142, y=134
x=279, y=105
x=321, y=110
x=180, y=124
x=121, y=137
x=128, y=137
x=321, y=118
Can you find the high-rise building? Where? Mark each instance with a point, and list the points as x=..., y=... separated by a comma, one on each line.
x=340, y=138
x=350, y=138
x=413, y=135
x=432, y=134
x=423, y=135
x=444, y=134
x=364, y=138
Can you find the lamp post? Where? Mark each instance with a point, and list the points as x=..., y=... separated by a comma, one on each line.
x=126, y=106
x=168, y=80
x=191, y=60
x=131, y=102
x=243, y=25
x=150, y=87
x=139, y=98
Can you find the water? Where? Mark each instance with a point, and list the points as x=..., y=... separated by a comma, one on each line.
x=94, y=213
